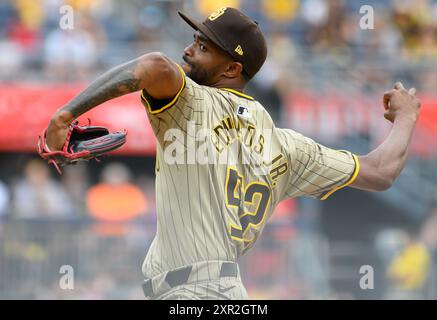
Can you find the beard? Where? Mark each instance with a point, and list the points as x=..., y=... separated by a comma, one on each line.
x=196, y=73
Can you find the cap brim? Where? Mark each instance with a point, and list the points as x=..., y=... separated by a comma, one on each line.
x=197, y=25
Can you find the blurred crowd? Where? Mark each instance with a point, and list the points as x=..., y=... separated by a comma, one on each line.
x=409, y=260
x=34, y=45
x=115, y=197
x=311, y=42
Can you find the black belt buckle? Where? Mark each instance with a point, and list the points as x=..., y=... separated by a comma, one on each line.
x=178, y=277
x=228, y=269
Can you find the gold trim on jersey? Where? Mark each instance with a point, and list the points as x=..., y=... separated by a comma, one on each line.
x=351, y=180
x=172, y=102
x=238, y=93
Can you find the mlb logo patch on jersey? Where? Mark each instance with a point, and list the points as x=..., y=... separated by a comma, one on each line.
x=243, y=111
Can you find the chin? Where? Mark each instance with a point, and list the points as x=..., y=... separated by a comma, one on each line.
x=186, y=67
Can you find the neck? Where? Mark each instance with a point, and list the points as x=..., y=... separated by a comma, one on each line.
x=225, y=83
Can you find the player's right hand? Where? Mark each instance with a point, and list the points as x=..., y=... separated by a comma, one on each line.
x=400, y=102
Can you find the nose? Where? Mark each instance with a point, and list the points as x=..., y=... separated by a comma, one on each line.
x=188, y=51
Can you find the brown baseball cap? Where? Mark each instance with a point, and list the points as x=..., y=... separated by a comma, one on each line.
x=235, y=33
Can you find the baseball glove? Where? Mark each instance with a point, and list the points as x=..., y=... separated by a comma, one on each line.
x=83, y=143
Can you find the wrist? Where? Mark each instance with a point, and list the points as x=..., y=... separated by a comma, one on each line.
x=407, y=117
x=61, y=119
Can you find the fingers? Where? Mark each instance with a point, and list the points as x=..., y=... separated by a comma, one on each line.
x=388, y=116
x=386, y=98
x=400, y=90
x=399, y=86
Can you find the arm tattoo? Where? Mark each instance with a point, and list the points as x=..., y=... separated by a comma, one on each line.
x=118, y=81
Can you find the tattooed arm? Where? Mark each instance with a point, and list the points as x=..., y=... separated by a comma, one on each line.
x=153, y=72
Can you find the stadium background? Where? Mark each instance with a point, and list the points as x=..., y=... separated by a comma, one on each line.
x=324, y=77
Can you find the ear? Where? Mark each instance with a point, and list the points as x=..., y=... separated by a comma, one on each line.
x=233, y=70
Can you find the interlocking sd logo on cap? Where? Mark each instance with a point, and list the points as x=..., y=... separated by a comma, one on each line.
x=217, y=14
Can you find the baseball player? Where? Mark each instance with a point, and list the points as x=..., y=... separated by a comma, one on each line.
x=236, y=166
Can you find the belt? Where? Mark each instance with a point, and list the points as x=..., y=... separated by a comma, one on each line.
x=181, y=276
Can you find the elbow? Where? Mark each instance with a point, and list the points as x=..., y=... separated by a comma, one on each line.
x=154, y=58
x=376, y=175
x=157, y=65
x=390, y=175
x=387, y=180
x=160, y=76
x=385, y=184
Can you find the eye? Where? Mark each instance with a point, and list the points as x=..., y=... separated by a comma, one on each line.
x=202, y=47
